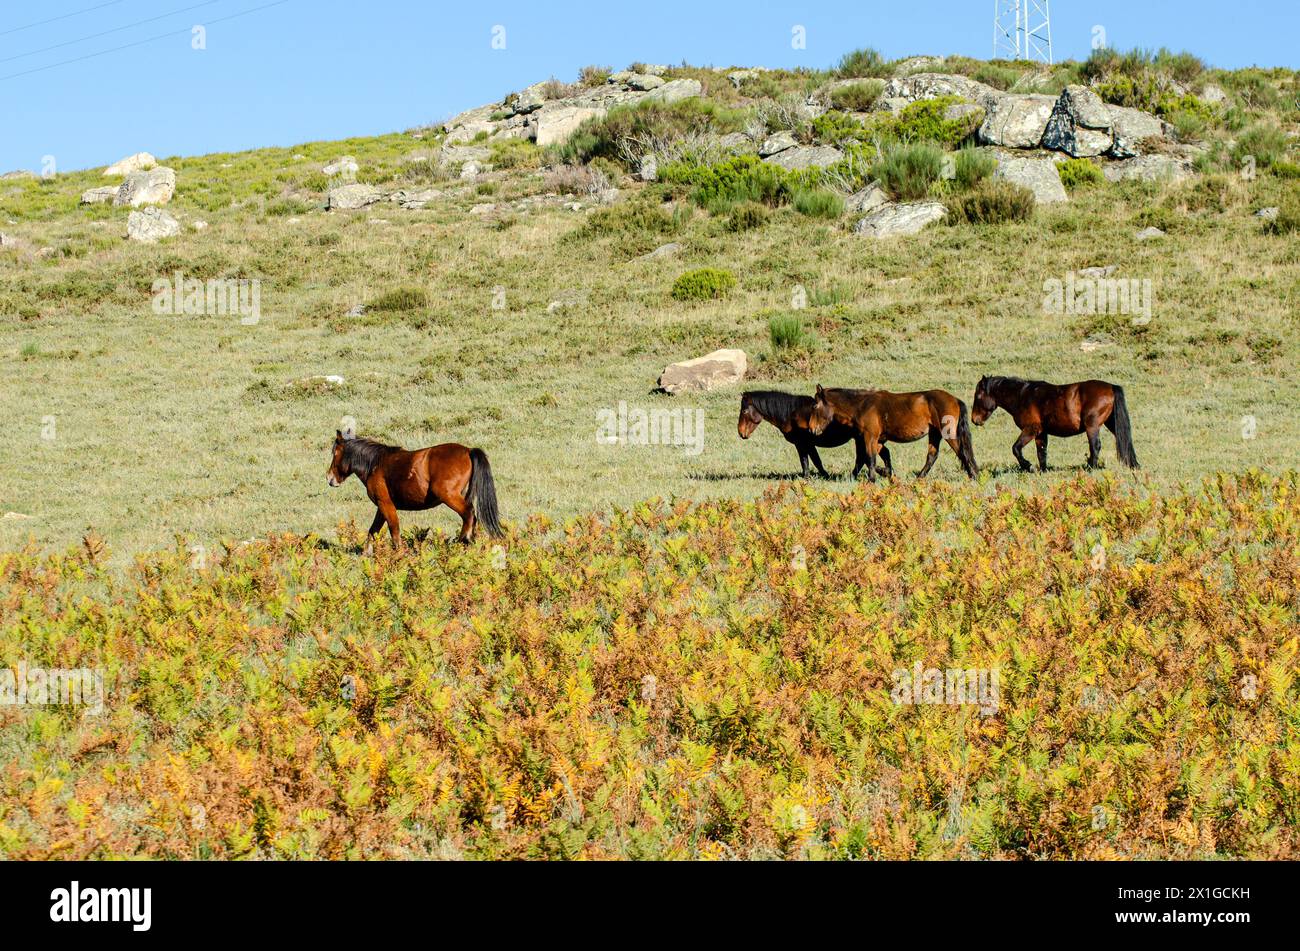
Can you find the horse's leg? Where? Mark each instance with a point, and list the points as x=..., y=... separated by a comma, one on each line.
x=873, y=447
x=375, y=526
x=932, y=453
x=1026, y=437
x=888, y=471
x=389, y=512
x=465, y=509
x=803, y=459
x=860, y=448
x=1094, y=444
x=1041, y=439
x=817, y=461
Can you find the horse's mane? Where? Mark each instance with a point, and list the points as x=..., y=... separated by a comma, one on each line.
x=776, y=405
x=362, y=455
x=1014, y=381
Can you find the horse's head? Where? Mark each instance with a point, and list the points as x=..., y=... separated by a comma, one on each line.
x=822, y=414
x=749, y=417
x=985, y=404
x=339, y=468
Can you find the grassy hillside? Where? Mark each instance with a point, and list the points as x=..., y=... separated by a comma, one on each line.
x=678, y=681
x=199, y=426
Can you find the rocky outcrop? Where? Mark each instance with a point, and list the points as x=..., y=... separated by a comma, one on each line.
x=719, y=368
x=154, y=187
x=139, y=162
x=150, y=225
x=96, y=196
x=1039, y=175
x=1016, y=121
x=920, y=86
x=818, y=156
x=556, y=121
x=1149, y=168
x=776, y=142
x=866, y=200
x=353, y=196
x=893, y=220
x=1080, y=124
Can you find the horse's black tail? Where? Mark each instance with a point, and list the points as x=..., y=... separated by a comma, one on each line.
x=482, y=493
x=966, y=449
x=1123, y=430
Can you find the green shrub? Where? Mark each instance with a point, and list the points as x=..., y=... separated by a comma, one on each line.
x=1284, y=169
x=787, y=332
x=863, y=64
x=1287, y=220
x=1185, y=67
x=742, y=178
x=515, y=153
x=908, y=170
x=835, y=127
x=1253, y=88
x=747, y=216
x=1266, y=143
x=858, y=97
x=1079, y=173
x=704, y=284
x=818, y=203
x=1142, y=92
x=995, y=75
x=629, y=219
x=924, y=122
x=400, y=299
x=594, y=75
x=615, y=135
x=991, y=203
x=973, y=167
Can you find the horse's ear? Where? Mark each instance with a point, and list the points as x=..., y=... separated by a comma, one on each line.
x=820, y=391
x=338, y=435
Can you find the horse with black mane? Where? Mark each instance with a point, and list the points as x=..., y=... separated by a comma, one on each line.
x=1044, y=409
x=878, y=416
x=790, y=413
x=412, y=481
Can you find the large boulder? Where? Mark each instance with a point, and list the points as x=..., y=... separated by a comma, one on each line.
x=1039, y=175
x=1016, y=121
x=1148, y=168
x=95, y=196
x=1131, y=127
x=140, y=162
x=1080, y=124
x=719, y=368
x=675, y=91
x=777, y=142
x=893, y=220
x=353, y=196
x=556, y=121
x=150, y=225
x=920, y=86
x=343, y=165
x=154, y=187
x=866, y=200
x=820, y=156
x=644, y=82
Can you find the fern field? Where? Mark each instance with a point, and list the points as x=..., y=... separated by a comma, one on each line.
x=712, y=680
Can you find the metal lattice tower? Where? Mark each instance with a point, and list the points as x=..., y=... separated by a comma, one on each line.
x=1022, y=29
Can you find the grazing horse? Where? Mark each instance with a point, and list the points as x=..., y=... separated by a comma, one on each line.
x=411, y=481
x=1043, y=409
x=879, y=416
x=789, y=413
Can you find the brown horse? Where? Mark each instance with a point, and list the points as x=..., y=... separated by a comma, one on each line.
x=789, y=413
x=1043, y=409
x=395, y=479
x=879, y=416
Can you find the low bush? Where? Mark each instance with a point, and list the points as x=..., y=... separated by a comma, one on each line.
x=706, y=283
x=972, y=167
x=863, y=64
x=400, y=300
x=1287, y=220
x=858, y=97
x=818, y=203
x=747, y=216
x=1080, y=173
x=1265, y=143
x=924, y=122
x=991, y=203
x=907, y=171
x=787, y=332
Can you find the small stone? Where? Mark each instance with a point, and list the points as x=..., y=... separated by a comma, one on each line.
x=1147, y=234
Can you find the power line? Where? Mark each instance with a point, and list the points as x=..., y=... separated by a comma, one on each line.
x=74, y=13
x=116, y=29
x=127, y=46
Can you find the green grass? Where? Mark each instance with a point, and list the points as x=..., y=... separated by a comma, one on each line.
x=206, y=428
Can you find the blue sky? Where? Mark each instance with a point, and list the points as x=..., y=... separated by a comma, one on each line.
x=300, y=71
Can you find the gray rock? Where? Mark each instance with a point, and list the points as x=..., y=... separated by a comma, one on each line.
x=1039, y=175
x=644, y=83
x=892, y=220
x=1016, y=122
x=531, y=99
x=1148, y=234
x=1268, y=214
x=739, y=76
x=150, y=225
x=1148, y=168
x=95, y=196
x=663, y=251
x=343, y=165
x=777, y=142
x=960, y=110
x=735, y=140
x=470, y=170
x=1099, y=272
x=819, y=156
x=352, y=196
x=1131, y=127
x=557, y=121
x=154, y=187
x=17, y=174
x=675, y=91
x=140, y=162
x=415, y=200
x=933, y=85
x=866, y=200
x=1080, y=124
x=719, y=368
